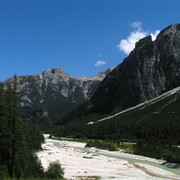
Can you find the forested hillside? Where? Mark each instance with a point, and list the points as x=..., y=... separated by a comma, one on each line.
x=18, y=139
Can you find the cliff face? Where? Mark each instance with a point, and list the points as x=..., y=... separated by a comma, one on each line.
x=151, y=69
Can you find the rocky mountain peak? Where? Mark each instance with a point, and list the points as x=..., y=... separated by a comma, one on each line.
x=143, y=42
x=54, y=76
x=104, y=73
x=57, y=70
x=172, y=30
x=55, y=73
x=168, y=43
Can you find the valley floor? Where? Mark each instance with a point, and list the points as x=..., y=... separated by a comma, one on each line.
x=79, y=162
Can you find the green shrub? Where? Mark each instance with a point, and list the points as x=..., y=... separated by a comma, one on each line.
x=4, y=172
x=55, y=171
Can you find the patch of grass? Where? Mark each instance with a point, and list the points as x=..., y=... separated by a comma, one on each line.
x=101, y=145
x=125, y=146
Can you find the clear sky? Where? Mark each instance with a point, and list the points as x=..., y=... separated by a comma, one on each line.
x=81, y=36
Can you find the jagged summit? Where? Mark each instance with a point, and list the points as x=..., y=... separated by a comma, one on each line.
x=54, y=70
x=55, y=75
x=170, y=30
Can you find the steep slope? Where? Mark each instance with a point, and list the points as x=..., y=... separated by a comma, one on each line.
x=151, y=69
x=54, y=93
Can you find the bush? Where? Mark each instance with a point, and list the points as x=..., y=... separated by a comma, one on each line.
x=55, y=171
x=4, y=172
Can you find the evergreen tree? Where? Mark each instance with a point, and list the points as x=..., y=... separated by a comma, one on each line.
x=18, y=139
x=15, y=117
x=5, y=134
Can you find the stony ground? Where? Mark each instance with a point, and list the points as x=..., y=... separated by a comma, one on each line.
x=78, y=164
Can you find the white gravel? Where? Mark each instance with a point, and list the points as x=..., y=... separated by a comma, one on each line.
x=78, y=164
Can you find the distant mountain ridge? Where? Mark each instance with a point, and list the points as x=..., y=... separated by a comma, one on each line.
x=54, y=93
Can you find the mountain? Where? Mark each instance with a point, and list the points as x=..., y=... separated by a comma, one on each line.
x=151, y=69
x=54, y=93
x=138, y=101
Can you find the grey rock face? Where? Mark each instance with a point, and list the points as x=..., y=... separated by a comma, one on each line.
x=151, y=69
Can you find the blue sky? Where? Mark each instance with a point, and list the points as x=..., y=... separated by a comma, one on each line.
x=81, y=36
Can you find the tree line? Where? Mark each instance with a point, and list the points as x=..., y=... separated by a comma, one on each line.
x=18, y=138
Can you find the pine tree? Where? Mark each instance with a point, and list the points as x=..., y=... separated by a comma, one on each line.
x=5, y=135
x=2, y=121
x=18, y=139
x=14, y=120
